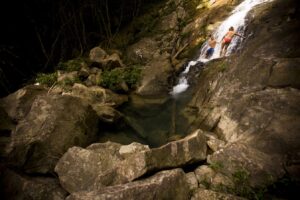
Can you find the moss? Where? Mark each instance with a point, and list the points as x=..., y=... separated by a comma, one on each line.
x=206, y=183
x=113, y=78
x=216, y=166
x=70, y=82
x=46, y=79
x=71, y=65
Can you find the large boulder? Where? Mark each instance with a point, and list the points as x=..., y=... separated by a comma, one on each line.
x=156, y=77
x=54, y=124
x=143, y=51
x=106, y=164
x=102, y=101
x=163, y=185
x=96, y=95
x=97, y=55
x=89, y=169
x=18, y=104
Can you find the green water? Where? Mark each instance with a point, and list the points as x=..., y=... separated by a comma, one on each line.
x=153, y=121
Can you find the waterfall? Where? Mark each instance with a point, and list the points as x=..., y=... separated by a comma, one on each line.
x=236, y=20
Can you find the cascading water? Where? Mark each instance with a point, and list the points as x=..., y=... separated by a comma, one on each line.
x=236, y=20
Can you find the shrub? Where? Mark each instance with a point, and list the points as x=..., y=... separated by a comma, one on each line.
x=113, y=78
x=70, y=82
x=132, y=75
x=46, y=79
x=71, y=65
x=216, y=166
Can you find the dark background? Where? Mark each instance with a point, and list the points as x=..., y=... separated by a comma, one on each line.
x=37, y=34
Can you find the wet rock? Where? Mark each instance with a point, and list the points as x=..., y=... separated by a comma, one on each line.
x=107, y=114
x=163, y=185
x=156, y=77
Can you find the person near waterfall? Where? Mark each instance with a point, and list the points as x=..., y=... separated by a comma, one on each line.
x=227, y=39
x=212, y=44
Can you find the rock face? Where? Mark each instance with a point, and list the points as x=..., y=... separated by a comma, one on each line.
x=246, y=102
x=238, y=157
x=163, y=185
x=106, y=164
x=53, y=124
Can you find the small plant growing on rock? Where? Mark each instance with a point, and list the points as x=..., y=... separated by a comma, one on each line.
x=46, y=79
x=113, y=78
x=71, y=65
x=70, y=82
x=205, y=183
x=216, y=166
x=241, y=183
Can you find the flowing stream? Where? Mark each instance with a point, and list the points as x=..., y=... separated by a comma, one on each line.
x=237, y=19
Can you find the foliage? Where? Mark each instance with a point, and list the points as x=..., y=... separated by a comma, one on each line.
x=241, y=183
x=70, y=82
x=113, y=78
x=46, y=79
x=71, y=65
x=242, y=187
x=206, y=183
x=216, y=166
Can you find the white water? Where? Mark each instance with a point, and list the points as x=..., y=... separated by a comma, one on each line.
x=237, y=20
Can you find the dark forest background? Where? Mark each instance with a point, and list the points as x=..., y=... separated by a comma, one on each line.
x=37, y=34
